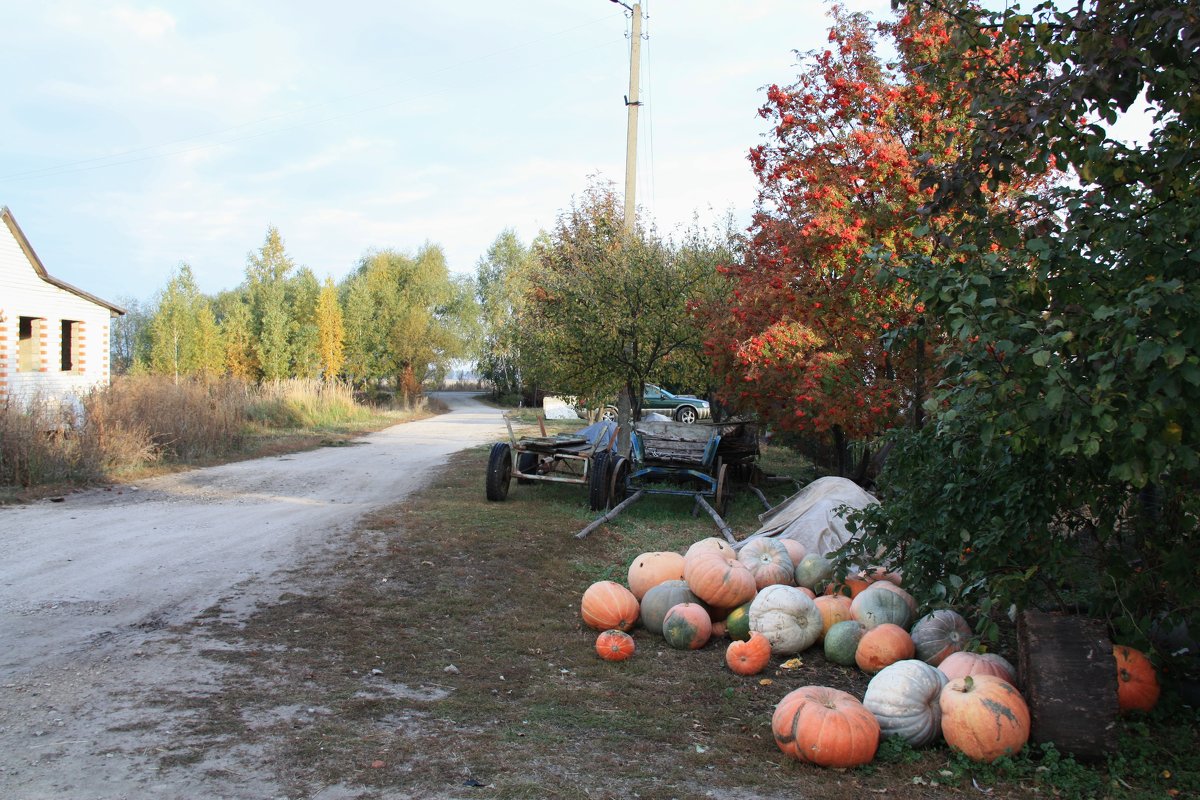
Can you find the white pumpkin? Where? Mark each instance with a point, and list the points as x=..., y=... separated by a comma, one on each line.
x=904, y=699
x=788, y=617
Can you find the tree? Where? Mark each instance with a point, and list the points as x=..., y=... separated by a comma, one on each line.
x=267, y=271
x=237, y=335
x=183, y=331
x=406, y=319
x=1074, y=357
x=810, y=341
x=330, y=332
x=605, y=310
x=303, y=293
x=501, y=280
x=129, y=337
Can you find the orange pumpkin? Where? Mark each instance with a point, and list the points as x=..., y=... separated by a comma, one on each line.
x=1137, y=680
x=984, y=716
x=608, y=604
x=824, y=726
x=768, y=561
x=796, y=550
x=710, y=545
x=834, y=608
x=719, y=579
x=883, y=645
x=749, y=657
x=615, y=645
x=687, y=626
x=963, y=663
x=650, y=569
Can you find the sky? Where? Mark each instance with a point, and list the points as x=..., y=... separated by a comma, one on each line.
x=138, y=136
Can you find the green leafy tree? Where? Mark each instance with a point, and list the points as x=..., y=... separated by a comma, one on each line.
x=501, y=279
x=183, y=333
x=607, y=310
x=267, y=272
x=129, y=336
x=236, y=326
x=303, y=292
x=1075, y=317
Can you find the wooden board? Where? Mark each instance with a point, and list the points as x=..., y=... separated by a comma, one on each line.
x=1069, y=680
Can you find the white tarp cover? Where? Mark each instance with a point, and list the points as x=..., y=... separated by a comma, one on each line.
x=557, y=408
x=810, y=516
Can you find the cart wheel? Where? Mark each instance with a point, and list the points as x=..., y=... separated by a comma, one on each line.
x=617, y=490
x=598, y=477
x=499, y=471
x=721, y=500
x=527, y=462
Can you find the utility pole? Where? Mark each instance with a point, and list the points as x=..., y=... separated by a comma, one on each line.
x=632, y=103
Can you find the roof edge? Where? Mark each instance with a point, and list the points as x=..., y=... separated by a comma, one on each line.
x=40, y=268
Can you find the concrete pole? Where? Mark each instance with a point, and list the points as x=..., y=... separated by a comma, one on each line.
x=632, y=104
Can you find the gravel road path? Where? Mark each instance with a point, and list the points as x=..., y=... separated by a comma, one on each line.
x=89, y=585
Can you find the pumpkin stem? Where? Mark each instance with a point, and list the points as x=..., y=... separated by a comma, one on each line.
x=968, y=683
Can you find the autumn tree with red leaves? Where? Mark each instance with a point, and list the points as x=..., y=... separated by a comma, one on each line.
x=815, y=341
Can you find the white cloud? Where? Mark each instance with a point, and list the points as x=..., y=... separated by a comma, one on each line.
x=149, y=23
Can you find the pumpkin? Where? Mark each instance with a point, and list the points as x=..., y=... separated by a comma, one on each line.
x=712, y=544
x=796, y=551
x=904, y=699
x=687, y=626
x=888, y=586
x=749, y=657
x=851, y=586
x=962, y=664
x=1137, y=681
x=719, y=579
x=658, y=602
x=737, y=623
x=813, y=571
x=841, y=641
x=834, y=608
x=984, y=716
x=875, y=606
x=824, y=726
x=882, y=645
x=768, y=561
x=938, y=634
x=650, y=569
x=718, y=628
x=787, y=617
x=608, y=604
x=615, y=645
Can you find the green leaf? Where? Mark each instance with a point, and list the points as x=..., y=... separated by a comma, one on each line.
x=1041, y=358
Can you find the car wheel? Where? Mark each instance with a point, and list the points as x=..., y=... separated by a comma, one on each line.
x=609, y=413
x=686, y=415
x=499, y=471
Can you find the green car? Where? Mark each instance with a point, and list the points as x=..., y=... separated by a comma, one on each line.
x=679, y=407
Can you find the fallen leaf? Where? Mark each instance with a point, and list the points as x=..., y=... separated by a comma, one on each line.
x=765, y=682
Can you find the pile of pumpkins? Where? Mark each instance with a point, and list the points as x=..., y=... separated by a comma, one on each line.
x=773, y=599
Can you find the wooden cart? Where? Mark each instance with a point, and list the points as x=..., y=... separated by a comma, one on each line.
x=560, y=458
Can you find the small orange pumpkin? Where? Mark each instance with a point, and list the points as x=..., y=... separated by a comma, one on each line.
x=749, y=657
x=883, y=645
x=984, y=716
x=650, y=569
x=1137, y=681
x=608, y=604
x=824, y=726
x=615, y=645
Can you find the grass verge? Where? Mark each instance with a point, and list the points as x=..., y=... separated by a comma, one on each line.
x=444, y=656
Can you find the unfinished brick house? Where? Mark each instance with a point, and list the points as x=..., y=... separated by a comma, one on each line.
x=53, y=336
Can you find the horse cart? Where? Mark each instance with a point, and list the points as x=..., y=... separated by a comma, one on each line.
x=559, y=458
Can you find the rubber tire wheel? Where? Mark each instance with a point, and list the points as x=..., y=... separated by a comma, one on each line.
x=609, y=413
x=527, y=462
x=598, y=477
x=617, y=490
x=687, y=415
x=499, y=471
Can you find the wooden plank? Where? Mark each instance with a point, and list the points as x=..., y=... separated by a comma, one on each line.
x=1070, y=682
x=611, y=515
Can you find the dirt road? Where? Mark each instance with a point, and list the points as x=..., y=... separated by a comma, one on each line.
x=89, y=587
